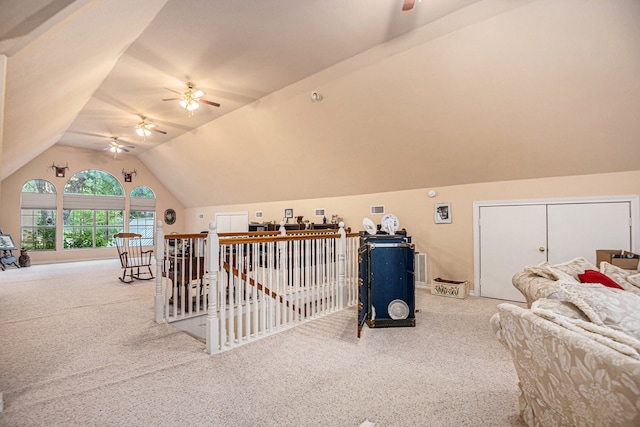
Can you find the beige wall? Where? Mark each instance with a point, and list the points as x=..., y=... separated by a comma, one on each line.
x=78, y=160
x=449, y=246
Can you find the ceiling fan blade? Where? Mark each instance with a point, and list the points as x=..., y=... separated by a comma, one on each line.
x=158, y=130
x=408, y=5
x=171, y=99
x=215, y=104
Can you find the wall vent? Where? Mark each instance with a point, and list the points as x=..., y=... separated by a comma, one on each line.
x=258, y=214
x=421, y=268
x=319, y=212
x=377, y=210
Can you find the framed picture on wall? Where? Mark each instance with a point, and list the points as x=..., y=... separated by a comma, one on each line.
x=288, y=213
x=442, y=212
x=6, y=243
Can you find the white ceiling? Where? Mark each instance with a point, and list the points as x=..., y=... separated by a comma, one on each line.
x=454, y=91
x=91, y=69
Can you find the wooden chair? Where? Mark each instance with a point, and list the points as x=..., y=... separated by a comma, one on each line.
x=133, y=257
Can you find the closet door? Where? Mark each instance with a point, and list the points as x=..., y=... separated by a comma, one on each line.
x=237, y=222
x=510, y=238
x=578, y=229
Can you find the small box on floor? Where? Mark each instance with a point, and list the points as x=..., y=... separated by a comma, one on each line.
x=622, y=259
x=450, y=288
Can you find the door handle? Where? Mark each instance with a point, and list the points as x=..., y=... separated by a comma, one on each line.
x=541, y=248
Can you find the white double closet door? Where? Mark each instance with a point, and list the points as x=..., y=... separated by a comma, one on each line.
x=513, y=236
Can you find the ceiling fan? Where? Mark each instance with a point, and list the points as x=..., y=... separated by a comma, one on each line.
x=190, y=99
x=144, y=129
x=115, y=148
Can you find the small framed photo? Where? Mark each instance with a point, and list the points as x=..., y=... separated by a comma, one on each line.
x=60, y=172
x=127, y=177
x=442, y=212
x=288, y=213
x=6, y=243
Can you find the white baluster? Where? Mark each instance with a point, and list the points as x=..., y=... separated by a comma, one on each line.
x=342, y=249
x=254, y=265
x=213, y=321
x=158, y=303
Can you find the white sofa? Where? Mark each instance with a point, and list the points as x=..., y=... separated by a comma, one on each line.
x=576, y=351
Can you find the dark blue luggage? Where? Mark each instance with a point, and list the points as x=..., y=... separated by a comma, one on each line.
x=386, y=290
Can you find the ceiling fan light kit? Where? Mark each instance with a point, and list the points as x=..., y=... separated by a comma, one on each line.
x=191, y=99
x=116, y=148
x=142, y=130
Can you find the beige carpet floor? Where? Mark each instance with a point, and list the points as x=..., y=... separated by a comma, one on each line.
x=80, y=348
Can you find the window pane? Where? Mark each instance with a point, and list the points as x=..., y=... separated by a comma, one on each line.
x=115, y=218
x=143, y=193
x=142, y=222
x=38, y=229
x=104, y=236
x=77, y=237
x=93, y=182
x=39, y=186
x=38, y=226
x=77, y=217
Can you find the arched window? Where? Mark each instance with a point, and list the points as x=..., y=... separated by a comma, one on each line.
x=38, y=208
x=93, y=210
x=142, y=214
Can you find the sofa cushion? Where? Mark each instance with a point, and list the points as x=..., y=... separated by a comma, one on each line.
x=634, y=279
x=574, y=267
x=628, y=279
x=592, y=276
x=565, y=271
x=547, y=271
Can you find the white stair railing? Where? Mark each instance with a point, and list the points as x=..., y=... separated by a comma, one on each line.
x=251, y=285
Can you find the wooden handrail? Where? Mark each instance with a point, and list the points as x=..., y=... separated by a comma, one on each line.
x=260, y=238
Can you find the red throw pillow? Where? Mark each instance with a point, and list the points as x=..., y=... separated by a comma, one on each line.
x=592, y=276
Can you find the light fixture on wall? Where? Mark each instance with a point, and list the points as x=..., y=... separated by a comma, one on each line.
x=316, y=96
x=129, y=175
x=60, y=170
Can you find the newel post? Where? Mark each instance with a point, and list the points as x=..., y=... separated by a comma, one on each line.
x=213, y=319
x=342, y=266
x=158, y=303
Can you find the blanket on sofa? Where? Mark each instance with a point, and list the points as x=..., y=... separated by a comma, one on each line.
x=608, y=316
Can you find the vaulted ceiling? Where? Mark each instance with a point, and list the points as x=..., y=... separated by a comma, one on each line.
x=452, y=92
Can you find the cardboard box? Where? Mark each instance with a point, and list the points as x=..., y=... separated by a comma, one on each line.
x=622, y=259
x=450, y=288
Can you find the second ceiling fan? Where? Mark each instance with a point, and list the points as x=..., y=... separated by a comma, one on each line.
x=190, y=99
x=144, y=128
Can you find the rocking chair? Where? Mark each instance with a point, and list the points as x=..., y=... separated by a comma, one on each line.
x=133, y=257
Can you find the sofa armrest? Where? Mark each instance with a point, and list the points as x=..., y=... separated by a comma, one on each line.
x=533, y=287
x=567, y=376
